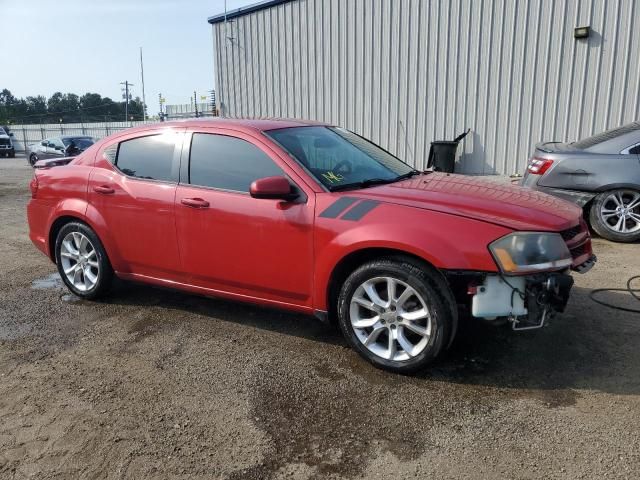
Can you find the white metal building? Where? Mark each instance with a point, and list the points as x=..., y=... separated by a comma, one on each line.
x=406, y=72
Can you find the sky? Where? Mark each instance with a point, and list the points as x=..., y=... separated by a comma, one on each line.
x=80, y=46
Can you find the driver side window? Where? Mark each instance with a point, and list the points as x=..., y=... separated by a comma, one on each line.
x=635, y=150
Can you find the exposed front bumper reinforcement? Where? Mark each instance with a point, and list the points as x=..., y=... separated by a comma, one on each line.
x=527, y=302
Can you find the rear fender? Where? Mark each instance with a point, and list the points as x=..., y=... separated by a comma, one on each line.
x=86, y=213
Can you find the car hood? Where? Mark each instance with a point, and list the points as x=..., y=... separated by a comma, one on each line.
x=487, y=200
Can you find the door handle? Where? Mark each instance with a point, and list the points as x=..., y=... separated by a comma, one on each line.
x=195, y=202
x=105, y=189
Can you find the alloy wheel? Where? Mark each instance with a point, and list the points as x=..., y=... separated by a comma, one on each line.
x=390, y=318
x=620, y=211
x=79, y=261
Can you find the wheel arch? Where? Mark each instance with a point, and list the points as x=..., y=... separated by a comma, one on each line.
x=351, y=261
x=55, y=228
x=94, y=221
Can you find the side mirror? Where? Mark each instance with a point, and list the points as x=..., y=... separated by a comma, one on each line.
x=275, y=188
x=11, y=134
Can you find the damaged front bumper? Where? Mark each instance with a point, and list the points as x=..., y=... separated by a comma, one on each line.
x=527, y=301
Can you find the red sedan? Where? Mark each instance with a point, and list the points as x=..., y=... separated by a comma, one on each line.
x=311, y=218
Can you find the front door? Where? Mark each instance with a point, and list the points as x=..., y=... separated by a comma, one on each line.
x=232, y=242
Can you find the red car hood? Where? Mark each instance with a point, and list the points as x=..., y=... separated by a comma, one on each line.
x=503, y=204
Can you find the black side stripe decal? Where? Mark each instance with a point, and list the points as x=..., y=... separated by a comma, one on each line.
x=339, y=206
x=360, y=210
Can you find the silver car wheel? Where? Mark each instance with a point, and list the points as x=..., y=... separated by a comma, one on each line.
x=620, y=211
x=390, y=318
x=79, y=261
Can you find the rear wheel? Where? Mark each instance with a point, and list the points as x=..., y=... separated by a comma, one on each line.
x=82, y=261
x=395, y=314
x=615, y=215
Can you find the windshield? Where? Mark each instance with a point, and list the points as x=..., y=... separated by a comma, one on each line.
x=338, y=158
x=81, y=143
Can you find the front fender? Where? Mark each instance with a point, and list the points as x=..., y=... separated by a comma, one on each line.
x=448, y=242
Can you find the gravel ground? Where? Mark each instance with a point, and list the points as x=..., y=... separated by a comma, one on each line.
x=152, y=383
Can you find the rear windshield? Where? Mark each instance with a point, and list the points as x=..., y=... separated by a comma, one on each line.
x=604, y=136
x=81, y=143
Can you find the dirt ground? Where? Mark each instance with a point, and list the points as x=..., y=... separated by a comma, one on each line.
x=153, y=383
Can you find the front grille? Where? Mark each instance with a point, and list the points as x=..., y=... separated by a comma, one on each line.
x=4, y=141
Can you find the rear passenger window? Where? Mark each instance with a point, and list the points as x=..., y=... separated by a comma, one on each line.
x=635, y=150
x=147, y=157
x=227, y=163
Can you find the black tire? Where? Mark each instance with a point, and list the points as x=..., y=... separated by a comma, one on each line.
x=12, y=154
x=435, y=293
x=33, y=158
x=105, y=272
x=599, y=224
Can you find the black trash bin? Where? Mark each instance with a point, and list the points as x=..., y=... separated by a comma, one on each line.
x=442, y=154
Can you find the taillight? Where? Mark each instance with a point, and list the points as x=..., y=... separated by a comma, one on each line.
x=539, y=166
x=33, y=186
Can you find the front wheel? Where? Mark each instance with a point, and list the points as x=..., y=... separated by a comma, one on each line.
x=395, y=314
x=82, y=261
x=33, y=158
x=615, y=215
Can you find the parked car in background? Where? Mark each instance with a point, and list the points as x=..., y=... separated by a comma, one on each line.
x=310, y=218
x=601, y=174
x=58, y=147
x=7, y=148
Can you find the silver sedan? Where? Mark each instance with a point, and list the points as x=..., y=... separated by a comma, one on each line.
x=601, y=174
x=58, y=147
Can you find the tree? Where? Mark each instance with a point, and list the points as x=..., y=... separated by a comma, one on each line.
x=36, y=106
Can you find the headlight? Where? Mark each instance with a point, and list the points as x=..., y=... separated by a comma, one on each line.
x=529, y=252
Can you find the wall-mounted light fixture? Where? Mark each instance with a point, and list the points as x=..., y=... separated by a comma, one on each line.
x=581, y=32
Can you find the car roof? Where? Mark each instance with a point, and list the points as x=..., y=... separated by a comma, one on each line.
x=253, y=124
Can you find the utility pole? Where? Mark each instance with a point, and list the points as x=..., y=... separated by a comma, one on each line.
x=144, y=100
x=195, y=102
x=126, y=97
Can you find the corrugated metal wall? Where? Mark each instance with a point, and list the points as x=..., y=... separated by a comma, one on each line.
x=406, y=72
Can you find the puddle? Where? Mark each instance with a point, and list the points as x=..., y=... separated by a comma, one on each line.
x=70, y=297
x=52, y=281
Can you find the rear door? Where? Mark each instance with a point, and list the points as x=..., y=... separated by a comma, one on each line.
x=232, y=242
x=132, y=189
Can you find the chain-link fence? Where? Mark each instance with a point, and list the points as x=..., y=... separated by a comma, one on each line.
x=25, y=135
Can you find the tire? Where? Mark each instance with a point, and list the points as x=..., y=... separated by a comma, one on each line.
x=396, y=343
x=92, y=276
x=615, y=215
x=33, y=158
x=12, y=154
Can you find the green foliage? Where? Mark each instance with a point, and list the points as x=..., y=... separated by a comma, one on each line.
x=66, y=108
